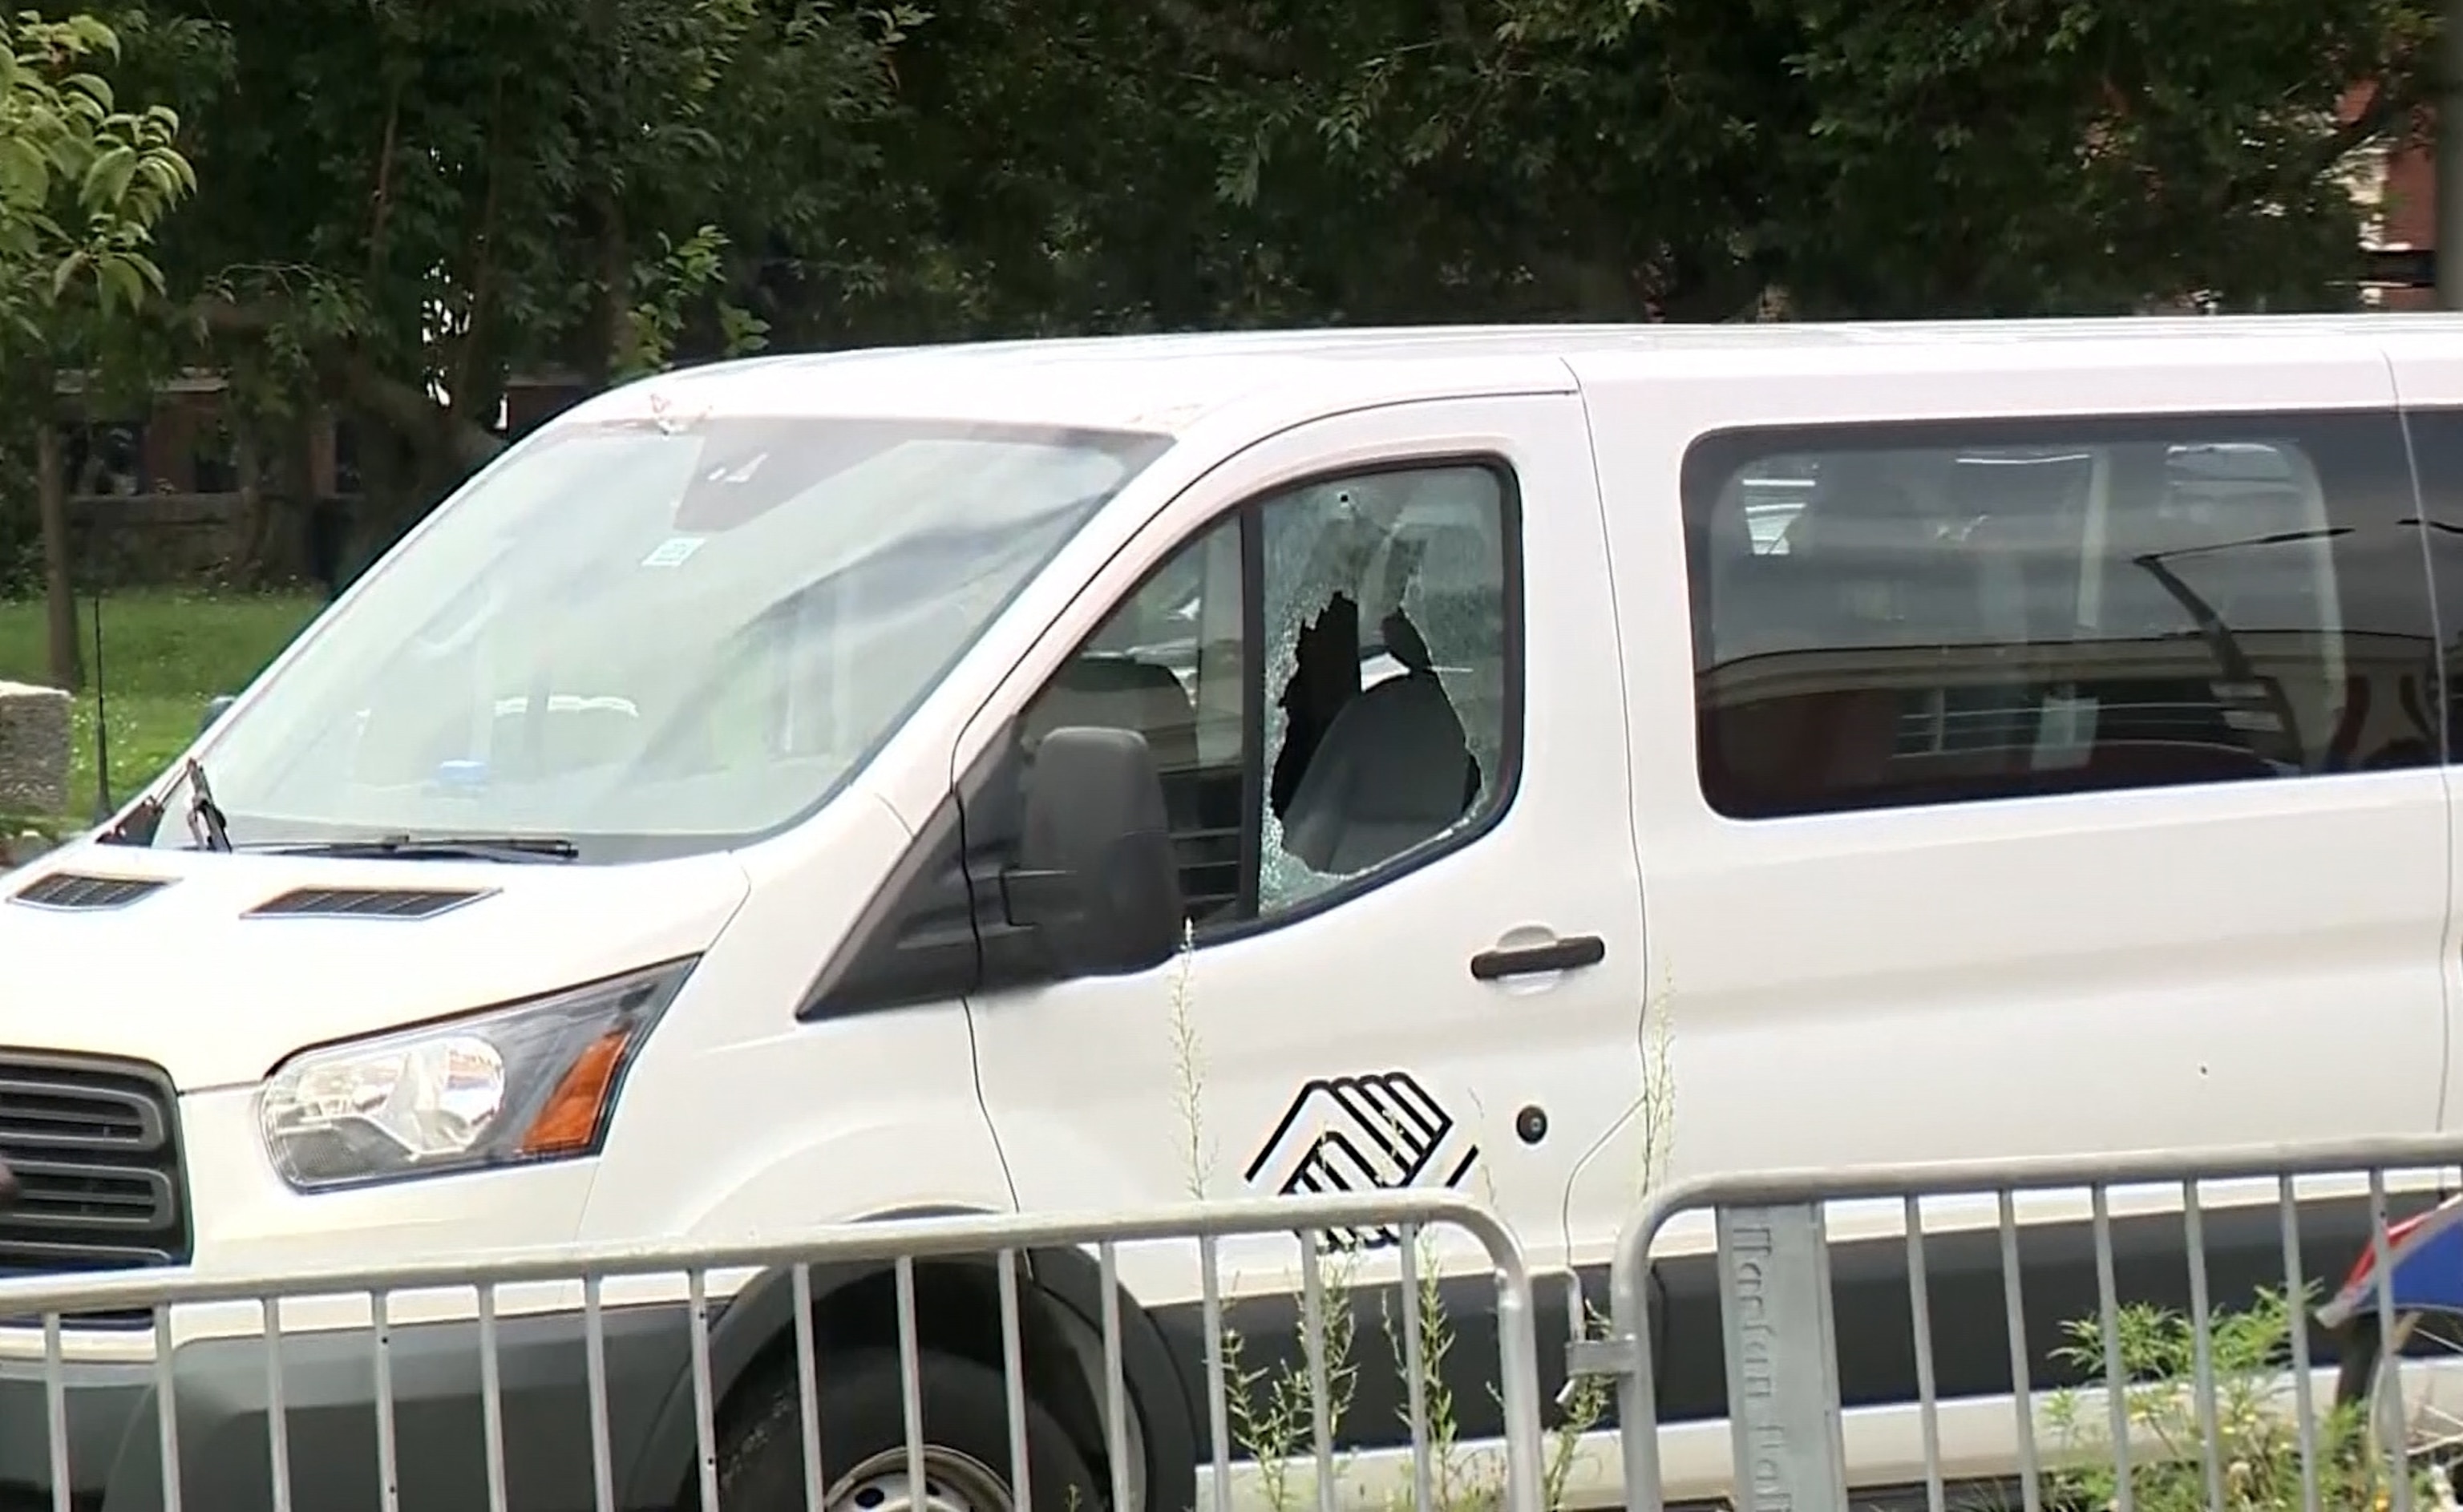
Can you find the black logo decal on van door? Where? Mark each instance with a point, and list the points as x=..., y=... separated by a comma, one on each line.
x=1364, y=1133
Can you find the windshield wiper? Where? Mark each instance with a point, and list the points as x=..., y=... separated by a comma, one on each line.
x=207, y=828
x=513, y=850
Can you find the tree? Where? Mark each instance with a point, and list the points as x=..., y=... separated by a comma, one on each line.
x=415, y=202
x=82, y=185
x=1435, y=160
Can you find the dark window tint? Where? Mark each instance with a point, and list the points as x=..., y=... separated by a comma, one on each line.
x=2437, y=451
x=1887, y=616
x=1323, y=678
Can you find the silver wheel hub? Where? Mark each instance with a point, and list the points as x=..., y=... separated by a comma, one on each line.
x=952, y=1483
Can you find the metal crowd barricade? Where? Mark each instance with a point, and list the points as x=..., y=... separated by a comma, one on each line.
x=908, y=1248
x=1784, y=1412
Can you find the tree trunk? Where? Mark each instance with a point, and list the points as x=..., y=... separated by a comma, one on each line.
x=60, y=586
x=411, y=454
x=256, y=513
x=386, y=506
x=612, y=299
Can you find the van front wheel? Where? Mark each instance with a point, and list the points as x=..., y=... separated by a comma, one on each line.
x=965, y=1426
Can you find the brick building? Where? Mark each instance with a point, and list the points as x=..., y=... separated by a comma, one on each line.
x=2397, y=184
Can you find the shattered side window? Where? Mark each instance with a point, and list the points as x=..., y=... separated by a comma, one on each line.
x=1312, y=569
x=1378, y=607
x=1384, y=611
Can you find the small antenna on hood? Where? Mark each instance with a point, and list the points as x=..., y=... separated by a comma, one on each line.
x=102, y=805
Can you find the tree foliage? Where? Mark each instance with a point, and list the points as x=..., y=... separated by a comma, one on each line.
x=1408, y=159
x=82, y=181
x=83, y=184
x=408, y=202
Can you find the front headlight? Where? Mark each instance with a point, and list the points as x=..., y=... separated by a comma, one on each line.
x=535, y=1080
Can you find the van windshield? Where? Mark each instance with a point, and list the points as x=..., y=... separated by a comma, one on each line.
x=652, y=640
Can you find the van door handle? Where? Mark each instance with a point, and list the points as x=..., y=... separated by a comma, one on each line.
x=1570, y=953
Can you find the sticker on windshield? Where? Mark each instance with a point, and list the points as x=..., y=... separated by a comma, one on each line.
x=673, y=552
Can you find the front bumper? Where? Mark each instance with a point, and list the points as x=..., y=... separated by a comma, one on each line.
x=329, y=1392
x=100, y=1401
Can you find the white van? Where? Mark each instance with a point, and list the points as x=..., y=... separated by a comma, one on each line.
x=1981, y=739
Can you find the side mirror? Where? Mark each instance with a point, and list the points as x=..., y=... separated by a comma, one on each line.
x=215, y=708
x=1096, y=879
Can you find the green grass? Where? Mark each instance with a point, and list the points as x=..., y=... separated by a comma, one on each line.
x=165, y=655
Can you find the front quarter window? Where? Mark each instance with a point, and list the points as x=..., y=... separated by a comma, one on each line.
x=653, y=640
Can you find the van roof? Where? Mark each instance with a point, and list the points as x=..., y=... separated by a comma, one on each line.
x=1167, y=382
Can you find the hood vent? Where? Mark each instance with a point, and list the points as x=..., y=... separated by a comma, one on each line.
x=76, y=892
x=365, y=903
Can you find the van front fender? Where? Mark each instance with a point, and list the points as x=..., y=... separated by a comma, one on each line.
x=1061, y=1298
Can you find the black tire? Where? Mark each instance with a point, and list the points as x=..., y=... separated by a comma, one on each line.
x=864, y=1415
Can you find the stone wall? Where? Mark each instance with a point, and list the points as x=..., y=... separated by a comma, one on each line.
x=33, y=750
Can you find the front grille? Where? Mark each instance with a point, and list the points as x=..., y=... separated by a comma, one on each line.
x=94, y=1146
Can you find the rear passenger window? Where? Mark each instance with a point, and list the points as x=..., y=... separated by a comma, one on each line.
x=1946, y=613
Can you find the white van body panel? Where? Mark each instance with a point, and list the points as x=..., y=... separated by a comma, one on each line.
x=1210, y=391
x=2427, y=363
x=219, y=998
x=2230, y=963
x=2200, y=964
x=2125, y=970
x=737, y=1121
x=1181, y=1075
